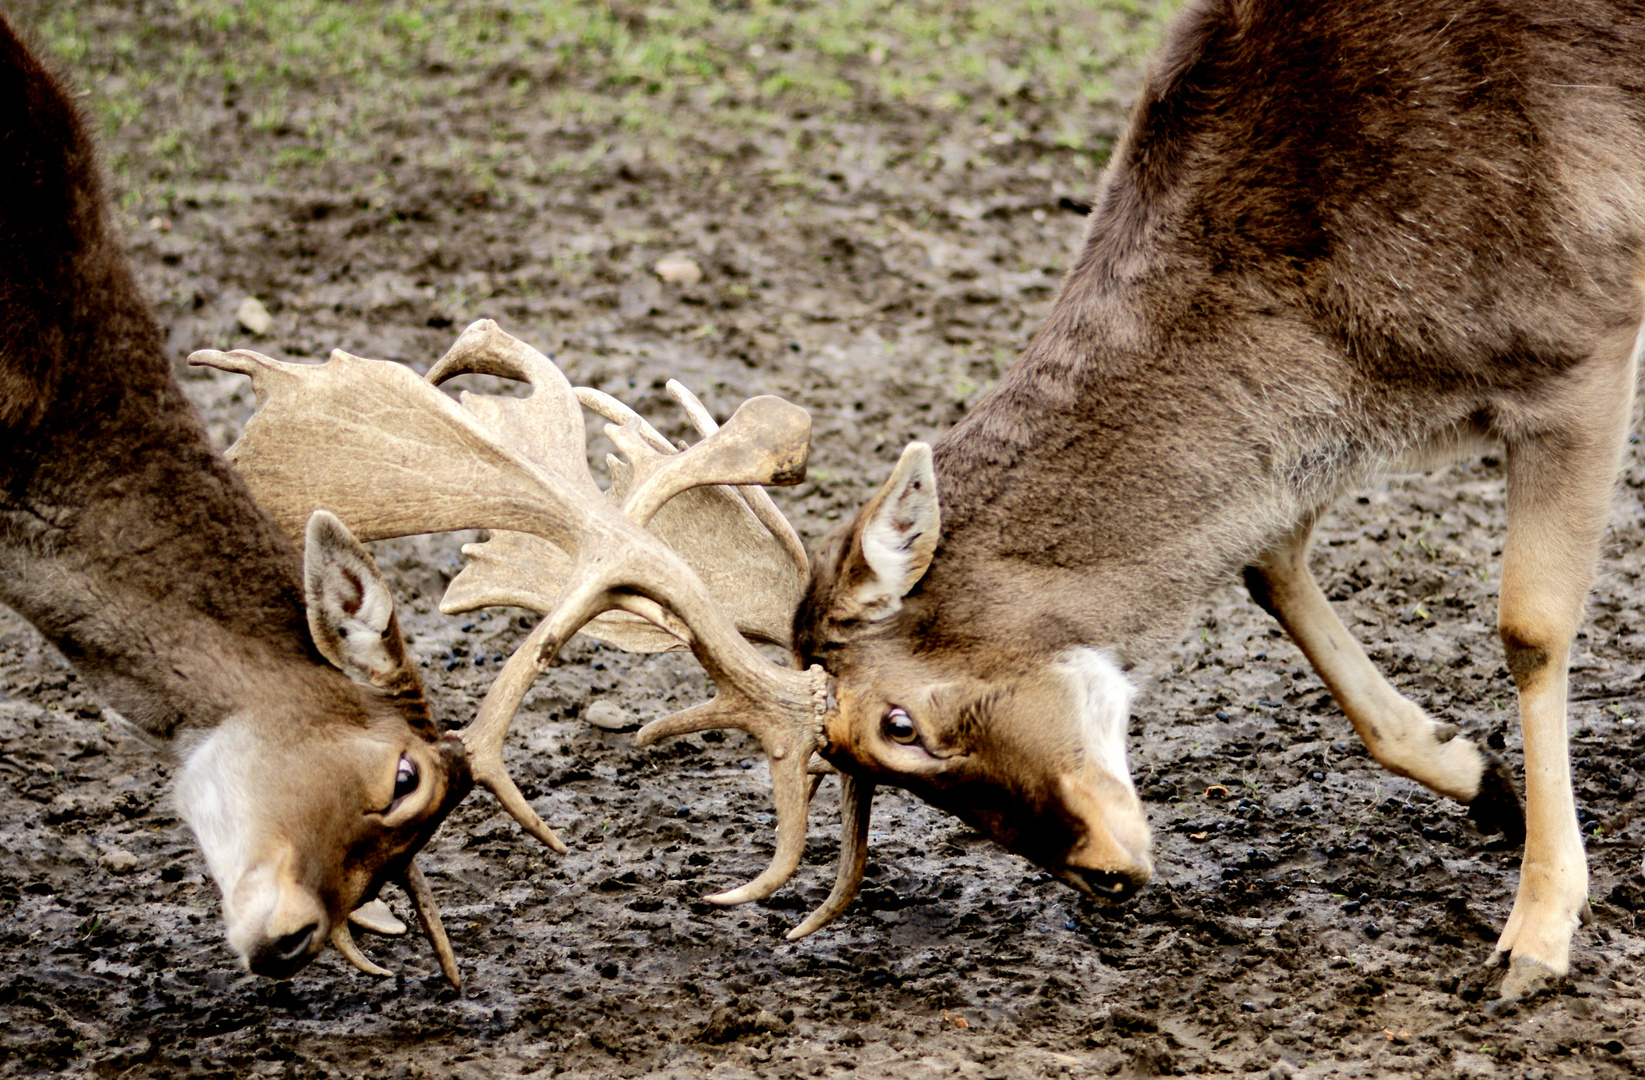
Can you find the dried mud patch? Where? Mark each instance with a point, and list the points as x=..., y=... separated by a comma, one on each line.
x=1312, y=915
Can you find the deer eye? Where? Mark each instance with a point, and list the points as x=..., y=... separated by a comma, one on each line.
x=898, y=727
x=405, y=778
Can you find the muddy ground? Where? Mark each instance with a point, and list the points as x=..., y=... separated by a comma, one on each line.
x=878, y=262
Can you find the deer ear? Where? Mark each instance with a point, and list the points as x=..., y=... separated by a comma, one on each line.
x=893, y=540
x=350, y=610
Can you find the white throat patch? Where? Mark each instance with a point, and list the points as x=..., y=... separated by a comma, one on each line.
x=213, y=797
x=1101, y=695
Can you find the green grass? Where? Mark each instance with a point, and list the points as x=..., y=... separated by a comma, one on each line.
x=1040, y=69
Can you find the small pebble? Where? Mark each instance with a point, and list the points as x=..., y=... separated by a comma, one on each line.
x=252, y=315
x=118, y=861
x=679, y=271
x=607, y=717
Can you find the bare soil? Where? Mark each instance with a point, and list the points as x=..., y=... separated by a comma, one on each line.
x=1312, y=915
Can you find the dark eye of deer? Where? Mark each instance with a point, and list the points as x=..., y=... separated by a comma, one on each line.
x=898, y=727
x=405, y=778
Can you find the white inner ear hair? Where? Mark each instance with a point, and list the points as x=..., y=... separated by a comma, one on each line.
x=1101, y=695
x=891, y=540
x=359, y=606
x=887, y=547
x=355, y=596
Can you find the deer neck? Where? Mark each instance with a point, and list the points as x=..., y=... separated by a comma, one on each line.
x=123, y=539
x=172, y=602
x=1125, y=467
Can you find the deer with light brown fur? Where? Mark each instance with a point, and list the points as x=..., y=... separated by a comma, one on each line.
x=310, y=767
x=1335, y=239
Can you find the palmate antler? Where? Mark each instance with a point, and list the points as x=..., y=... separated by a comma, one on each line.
x=391, y=455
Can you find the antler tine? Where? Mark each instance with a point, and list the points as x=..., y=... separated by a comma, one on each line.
x=856, y=805
x=546, y=427
x=428, y=914
x=484, y=348
x=603, y=404
x=344, y=941
x=791, y=791
x=694, y=409
x=483, y=739
x=766, y=441
x=757, y=498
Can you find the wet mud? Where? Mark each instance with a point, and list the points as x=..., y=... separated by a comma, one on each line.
x=1312, y=915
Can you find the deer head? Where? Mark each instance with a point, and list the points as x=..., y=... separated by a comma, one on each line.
x=306, y=804
x=662, y=560
x=1022, y=740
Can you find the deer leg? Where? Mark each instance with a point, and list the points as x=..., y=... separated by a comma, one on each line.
x=1401, y=736
x=1560, y=485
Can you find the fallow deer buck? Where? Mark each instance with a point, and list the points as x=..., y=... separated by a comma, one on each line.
x=311, y=768
x=1335, y=239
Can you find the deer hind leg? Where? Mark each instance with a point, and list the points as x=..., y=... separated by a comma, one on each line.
x=1401, y=736
x=1560, y=485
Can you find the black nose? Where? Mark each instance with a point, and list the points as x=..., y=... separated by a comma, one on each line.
x=284, y=957
x=1109, y=884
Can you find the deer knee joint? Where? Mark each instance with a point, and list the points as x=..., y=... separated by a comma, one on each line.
x=1526, y=659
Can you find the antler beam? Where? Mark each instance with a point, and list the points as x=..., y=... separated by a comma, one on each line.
x=391, y=455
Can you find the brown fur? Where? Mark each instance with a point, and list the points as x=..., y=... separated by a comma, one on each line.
x=134, y=547
x=1335, y=237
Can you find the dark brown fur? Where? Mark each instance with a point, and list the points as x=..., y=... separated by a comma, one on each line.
x=1300, y=279
x=133, y=546
x=155, y=547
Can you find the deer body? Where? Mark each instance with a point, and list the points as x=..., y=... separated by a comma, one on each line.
x=1335, y=239
x=135, y=549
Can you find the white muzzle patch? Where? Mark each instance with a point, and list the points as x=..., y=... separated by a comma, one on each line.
x=1101, y=696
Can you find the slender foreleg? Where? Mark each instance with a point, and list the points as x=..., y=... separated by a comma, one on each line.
x=1400, y=735
x=1560, y=484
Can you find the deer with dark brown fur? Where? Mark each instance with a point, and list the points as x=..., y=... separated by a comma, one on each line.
x=311, y=769
x=1336, y=239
